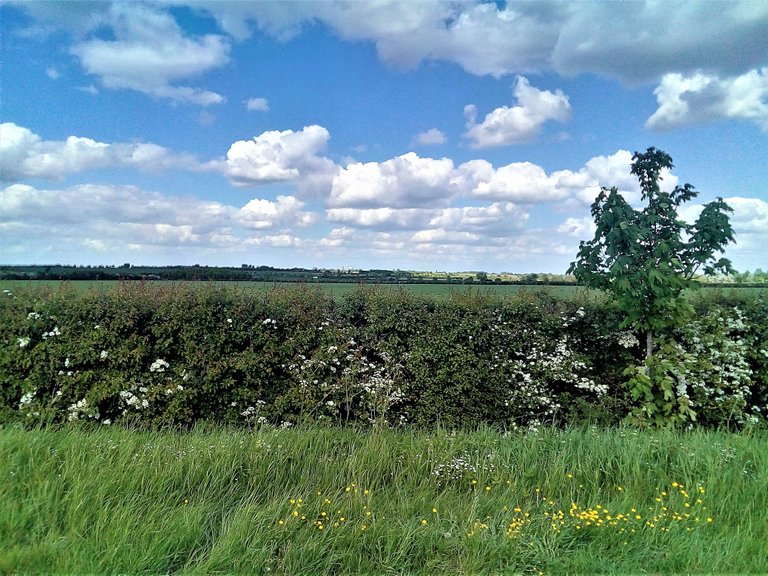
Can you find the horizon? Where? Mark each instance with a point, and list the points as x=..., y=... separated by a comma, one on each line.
x=467, y=137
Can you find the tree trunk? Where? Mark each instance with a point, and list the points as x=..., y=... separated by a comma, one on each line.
x=648, y=344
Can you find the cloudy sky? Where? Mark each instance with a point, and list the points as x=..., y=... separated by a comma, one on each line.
x=372, y=134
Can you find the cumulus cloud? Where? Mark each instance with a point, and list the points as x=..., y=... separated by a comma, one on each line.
x=277, y=241
x=749, y=214
x=520, y=182
x=516, y=124
x=276, y=156
x=582, y=228
x=150, y=53
x=110, y=218
x=605, y=171
x=377, y=194
x=431, y=137
x=497, y=39
x=390, y=218
x=702, y=97
x=24, y=154
x=91, y=205
x=261, y=214
x=401, y=182
x=257, y=105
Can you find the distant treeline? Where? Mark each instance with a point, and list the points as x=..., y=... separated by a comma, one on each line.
x=252, y=273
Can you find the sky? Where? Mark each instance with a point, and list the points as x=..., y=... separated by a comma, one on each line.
x=414, y=135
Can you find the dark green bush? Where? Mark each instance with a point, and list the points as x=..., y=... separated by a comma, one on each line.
x=165, y=354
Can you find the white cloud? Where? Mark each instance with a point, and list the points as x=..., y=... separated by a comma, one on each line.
x=262, y=214
x=52, y=73
x=401, y=182
x=277, y=241
x=90, y=205
x=431, y=137
x=285, y=156
x=498, y=219
x=521, y=123
x=606, y=171
x=23, y=154
x=257, y=105
x=90, y=89
x=749, y=215
x=702, y=97
x=150, y=53
x=520, y=182
x=749, y=221
x=634, y=42
x=391, y=218
x=582, y=228
x=108, y=219
x=637, y=41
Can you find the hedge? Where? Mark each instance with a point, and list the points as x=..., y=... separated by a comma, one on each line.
x=161, y=354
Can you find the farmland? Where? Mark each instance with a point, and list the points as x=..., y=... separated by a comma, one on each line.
x=336, y=288
x=199, y=427
x=435, y=290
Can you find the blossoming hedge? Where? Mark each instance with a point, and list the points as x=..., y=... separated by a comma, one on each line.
x=161, y=354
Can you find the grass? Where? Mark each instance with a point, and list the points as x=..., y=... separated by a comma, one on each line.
x=437, y=291
x=339, y=501
x=339, y=289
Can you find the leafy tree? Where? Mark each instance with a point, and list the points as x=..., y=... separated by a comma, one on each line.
x=647, y=258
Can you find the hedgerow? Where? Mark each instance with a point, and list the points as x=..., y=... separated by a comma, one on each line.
x=178, y=354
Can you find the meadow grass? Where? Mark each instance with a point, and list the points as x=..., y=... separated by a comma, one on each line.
x=439, y=291
x=339, y=501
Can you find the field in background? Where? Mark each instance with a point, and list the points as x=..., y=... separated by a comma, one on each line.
x=437, y=290
x=341, y=501
x=340, y=288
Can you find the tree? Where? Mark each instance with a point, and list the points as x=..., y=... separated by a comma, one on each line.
x=647, y=258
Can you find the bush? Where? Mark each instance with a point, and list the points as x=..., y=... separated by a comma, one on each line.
x=170, y=355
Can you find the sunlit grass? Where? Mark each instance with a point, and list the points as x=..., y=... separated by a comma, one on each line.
x=339, y=501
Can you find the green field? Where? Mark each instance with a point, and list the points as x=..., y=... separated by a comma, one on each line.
x=340, y=288
x=437, y=290
x=341, y=501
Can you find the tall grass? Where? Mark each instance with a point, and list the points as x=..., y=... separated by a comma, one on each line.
x=337, y=501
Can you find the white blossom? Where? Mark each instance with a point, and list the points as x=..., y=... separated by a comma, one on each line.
x=159, y=365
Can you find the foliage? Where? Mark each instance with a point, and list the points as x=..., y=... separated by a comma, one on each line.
x=174, y=355
x=647, y=258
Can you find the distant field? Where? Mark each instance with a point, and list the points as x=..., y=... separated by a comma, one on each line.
x=437, y=290
x=341, y=288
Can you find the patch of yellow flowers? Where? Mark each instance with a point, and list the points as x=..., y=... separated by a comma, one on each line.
x=675, y=507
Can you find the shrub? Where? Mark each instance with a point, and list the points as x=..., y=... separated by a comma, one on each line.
x=162, y=354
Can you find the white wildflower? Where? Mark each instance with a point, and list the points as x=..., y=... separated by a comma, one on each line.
x=26, y=399
x=159, y=365
x=23, y=342
x=627, y=339
x=33, y=316
x=103, y=355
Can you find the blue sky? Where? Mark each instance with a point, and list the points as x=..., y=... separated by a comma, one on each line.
x=373, y=134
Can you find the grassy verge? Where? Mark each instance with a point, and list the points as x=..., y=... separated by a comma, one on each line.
x=342, y=502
